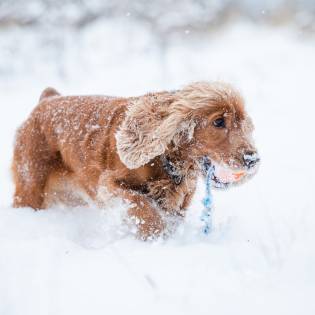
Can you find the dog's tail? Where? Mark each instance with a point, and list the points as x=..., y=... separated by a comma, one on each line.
x=48, y=92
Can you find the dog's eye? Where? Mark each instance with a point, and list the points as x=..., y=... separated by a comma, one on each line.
x=219, y=123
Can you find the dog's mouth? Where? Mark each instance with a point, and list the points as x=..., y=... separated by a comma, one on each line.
x=224, y=176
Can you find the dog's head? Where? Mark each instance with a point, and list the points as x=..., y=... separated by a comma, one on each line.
x=206, y=120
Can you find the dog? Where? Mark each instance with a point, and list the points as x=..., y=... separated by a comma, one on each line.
x=148, y=150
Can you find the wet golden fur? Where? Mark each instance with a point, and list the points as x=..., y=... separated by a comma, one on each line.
x=105, y=146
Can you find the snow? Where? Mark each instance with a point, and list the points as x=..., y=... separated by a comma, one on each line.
x=260, y=258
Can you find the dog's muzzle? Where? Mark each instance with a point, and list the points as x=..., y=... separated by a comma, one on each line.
x=223, y=176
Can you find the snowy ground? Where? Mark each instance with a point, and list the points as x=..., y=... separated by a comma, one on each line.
x=261, y=257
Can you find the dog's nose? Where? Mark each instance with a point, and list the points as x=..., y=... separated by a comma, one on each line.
x=250, y=159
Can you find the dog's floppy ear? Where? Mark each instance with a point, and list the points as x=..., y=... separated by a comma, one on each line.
x=151, y=123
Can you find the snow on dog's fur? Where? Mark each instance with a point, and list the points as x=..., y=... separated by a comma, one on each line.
x=146, y=150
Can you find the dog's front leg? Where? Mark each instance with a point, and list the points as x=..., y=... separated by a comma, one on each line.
x=148, y=221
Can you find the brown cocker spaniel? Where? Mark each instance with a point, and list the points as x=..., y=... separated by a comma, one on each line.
x=147, y=150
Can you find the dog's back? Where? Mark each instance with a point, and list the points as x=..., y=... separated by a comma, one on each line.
x=64, y=134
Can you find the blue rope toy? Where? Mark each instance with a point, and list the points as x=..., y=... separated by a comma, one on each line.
x=206, y=216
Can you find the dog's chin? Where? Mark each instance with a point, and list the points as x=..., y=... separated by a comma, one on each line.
x=225, y=177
